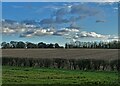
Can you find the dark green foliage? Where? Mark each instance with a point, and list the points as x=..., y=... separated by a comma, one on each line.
x=73, y=64
x=100, y=45
x=57, y=45
x=20, y=44
x=115, y=65
x=77, y=44
x=41, y=45
x=50, y=45
x=31, y=45
x=24, y=45
x=5, y=45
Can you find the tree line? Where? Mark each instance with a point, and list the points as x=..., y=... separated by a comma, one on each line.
x=21, y=44
x=77, y=44
x=106, y=45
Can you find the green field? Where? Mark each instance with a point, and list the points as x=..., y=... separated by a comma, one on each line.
x=30, y=75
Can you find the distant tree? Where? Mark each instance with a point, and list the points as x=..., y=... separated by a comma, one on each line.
x=57, y=45
x=50, y=45
x=61, y=47
x=106, y=45
x=5, y=45
x=31, y=45
x=66, y=45
x=42, y=45
x=20, y=45
x=13, y=44
x=118, y=44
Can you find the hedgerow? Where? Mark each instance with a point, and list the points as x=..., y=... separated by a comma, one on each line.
x=72, y=64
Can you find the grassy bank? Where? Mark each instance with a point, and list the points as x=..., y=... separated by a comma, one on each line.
x=30, y=75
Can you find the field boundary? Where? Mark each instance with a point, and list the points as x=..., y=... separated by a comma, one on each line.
x=72, y=64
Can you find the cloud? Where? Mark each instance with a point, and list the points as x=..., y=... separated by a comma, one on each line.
x=26, y=35
x=102, y=21
x=29, y=22
x=76, y=34
x=114, y=38
x=37, y=32
x=92, y=35
x=73, y=18
x=8, y=31
x=75, y=12
x=14, y=27
x=72, y=33
x=47, y=21
x=83, y=34
x=65, y=31
x=8, y=21
x=43, y=32
x=110, y=1
x=115, y=8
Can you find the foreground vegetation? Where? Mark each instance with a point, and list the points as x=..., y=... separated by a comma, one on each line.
x=29, y=75
x=71, y=64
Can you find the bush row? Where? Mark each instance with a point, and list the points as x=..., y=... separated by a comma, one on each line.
x=72, y=64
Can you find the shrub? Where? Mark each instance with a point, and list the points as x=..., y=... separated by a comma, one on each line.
x=73, y=64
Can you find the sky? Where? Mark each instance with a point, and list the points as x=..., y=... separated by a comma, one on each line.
x=59, y=0
x=60, y=22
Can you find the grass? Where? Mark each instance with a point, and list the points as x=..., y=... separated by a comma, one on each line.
x=30, y=75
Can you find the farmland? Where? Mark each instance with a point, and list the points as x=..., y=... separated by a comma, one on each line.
x=43, y=76
x=106, y=54
x=83, y=59
x=93, y=67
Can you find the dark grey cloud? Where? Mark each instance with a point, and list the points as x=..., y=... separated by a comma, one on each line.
x=29, y=22
x=8, y=21
x=70, y=13
x=47, y=21
x=60, y=20
x=102, y=21
x=57, y=20
x=73, y=18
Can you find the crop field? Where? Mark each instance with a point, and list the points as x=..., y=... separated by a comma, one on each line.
x=83, y=59
x=106, y=54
